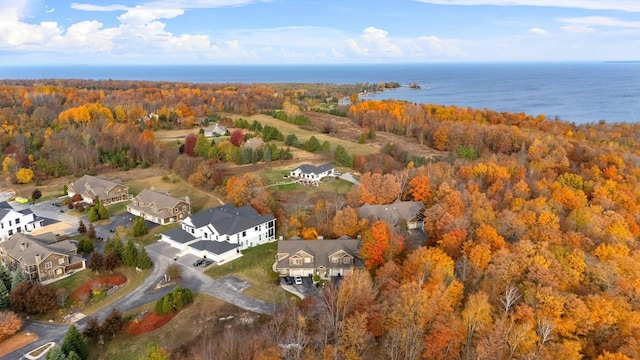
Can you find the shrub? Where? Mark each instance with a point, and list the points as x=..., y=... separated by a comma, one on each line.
x=10, y=323
x=151, y=321
x=32, y=298
x=84, y=292
x=174, y=301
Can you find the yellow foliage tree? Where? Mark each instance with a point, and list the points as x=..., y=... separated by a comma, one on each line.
x=24, y=176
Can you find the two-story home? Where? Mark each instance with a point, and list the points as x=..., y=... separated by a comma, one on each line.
x=215, y=130
x=40, y=258
x=220, y=233
x=17, y=221
x=312, y=173
x=318, y=257
x=159, y=207
x=409, y=212
x=107, y=191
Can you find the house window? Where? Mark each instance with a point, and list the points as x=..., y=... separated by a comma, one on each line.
x=346, y=261
x=334, y=260
x=10, y=232
x=244, y=233
x=17, y=221
x=47, y=265
x=61, y=261
x=1, y=226
x=9, y=222
x=307, y=260
x=19, y=230
x=295, y=261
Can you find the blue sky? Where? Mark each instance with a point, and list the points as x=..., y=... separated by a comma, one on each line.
x=316, y=31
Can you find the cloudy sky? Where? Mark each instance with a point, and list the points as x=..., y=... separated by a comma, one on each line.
x=316, y=31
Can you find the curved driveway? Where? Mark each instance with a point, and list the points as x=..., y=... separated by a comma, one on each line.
x=162, y=255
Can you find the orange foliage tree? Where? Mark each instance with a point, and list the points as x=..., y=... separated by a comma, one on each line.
x=378, y=188
x=380, y=244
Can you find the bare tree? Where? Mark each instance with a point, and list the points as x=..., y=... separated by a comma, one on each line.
x=511, y=296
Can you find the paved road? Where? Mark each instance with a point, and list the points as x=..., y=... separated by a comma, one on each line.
x=162, y=255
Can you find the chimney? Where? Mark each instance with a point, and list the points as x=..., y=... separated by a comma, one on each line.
x=359, y=237
x=24, y=246
x=320, y=237
x=38, y=259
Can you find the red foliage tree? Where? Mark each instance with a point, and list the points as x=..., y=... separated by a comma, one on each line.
x=190, y=144
x=237, y=137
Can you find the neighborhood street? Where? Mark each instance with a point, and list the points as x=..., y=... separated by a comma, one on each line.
x=162, y=255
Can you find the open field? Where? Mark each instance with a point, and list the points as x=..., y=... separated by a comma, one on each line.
x=255, y=266
x=197, y=319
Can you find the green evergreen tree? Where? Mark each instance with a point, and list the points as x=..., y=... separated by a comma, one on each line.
x=266, y=155
x=312, y=145
x=114, y=244
x=246, y=156
x=130, y=254
x=73, y=356
x=74, y=342
x=93, y=214
x=55, y=353
x=4, y=297
x=291, y=140
x=214, y=153
x=17, y=277
x=167, y=304
x=143, y=260
x=102, y=212
x=139, y=227
x=202, y=146
x=5, y=276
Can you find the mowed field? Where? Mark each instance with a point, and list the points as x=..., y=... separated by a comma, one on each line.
x=344, y=135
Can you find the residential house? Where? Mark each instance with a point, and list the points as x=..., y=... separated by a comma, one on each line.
x=107, y=191
x=322, y=257
x=40, y=257
x=312, y=173
x=16, y=221
x=159, y=207
x=215, y=130
x=220, y=233
x=411, y=212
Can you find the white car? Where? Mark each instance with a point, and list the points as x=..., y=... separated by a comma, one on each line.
x=297, y=280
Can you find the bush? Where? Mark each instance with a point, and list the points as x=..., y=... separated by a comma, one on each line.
x=10, y=323
x=151, y=321
x=174, y=301
x=32, y=298
x=84, y=291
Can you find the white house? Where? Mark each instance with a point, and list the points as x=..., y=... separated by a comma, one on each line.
x=215, y=130
x=220, y=233
x=312, y=173
x=17, y=221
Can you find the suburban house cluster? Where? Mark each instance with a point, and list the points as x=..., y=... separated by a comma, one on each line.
x=220, y=233
x=90, y=187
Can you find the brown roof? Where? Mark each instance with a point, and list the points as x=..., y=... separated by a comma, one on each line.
x=93, y=186
x=26, y=247
x=320, y=250
x=163, y=203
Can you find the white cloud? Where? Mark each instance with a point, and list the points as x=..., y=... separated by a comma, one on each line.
x=538, y=31
x=336, y=54
x=356, y=48
x=600, y=21
x=172, y=4
x=577, y=29
x=104, y=8
x=139, y=16
x=620, y=5
x=436, y=47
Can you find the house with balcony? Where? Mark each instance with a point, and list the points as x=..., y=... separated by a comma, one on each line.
x=17, y=221
x=159, y=207
x=107, y=191
x=41, y=258
x=220, y=233
x=325, y=258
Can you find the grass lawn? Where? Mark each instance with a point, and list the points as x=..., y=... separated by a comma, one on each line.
x=117, y=208
x=195, y=320
x=73, y=282
x=178, y=188
x=153, y=235
x=255, y=267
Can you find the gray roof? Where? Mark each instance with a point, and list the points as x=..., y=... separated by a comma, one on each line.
x=311, y=169
x=214, y=247
x=163, y=203
x=93, y=186
x=179, y=235
x=391, y=213
x=35, y=245
x=321, y=250
x=229, y=220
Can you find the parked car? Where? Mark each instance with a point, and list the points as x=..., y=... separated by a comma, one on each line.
x=198, y=262
x=298, y=280
x=207, y=262
x=288, y=280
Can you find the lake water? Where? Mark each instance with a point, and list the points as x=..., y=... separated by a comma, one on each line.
x=575, y=92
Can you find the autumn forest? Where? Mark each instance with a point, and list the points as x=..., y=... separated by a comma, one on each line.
x=530, y=245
